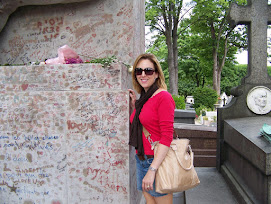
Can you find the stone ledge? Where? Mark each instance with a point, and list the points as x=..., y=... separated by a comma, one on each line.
x=64, y=77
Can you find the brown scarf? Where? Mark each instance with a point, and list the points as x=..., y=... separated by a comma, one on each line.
x=136, y=127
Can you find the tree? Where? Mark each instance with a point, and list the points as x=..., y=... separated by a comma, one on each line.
x=209, y=23
x=164, y=17
x=231, y=76
x=193, y=66
x=192, y=72
x=205, y=96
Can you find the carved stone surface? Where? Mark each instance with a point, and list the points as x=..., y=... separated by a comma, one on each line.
x=7, y=7
x=248, y=159
x=64, y=143
x=257, y=15
x=243, y=135
x=242, y=155
x=93, y=29
x=259, y=100
x=61, y=77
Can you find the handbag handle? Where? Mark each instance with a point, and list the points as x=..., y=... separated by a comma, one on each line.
x=147, y=135
x=191, y=155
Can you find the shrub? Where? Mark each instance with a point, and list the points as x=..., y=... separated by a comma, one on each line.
x=205, y=96
x=201, y=110
x=179, y=101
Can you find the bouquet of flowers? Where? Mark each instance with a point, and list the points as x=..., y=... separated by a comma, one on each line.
x=65, y=56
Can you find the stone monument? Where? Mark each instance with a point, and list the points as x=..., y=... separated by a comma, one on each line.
x=243, y=156
x=64, y=129
x=93, y=29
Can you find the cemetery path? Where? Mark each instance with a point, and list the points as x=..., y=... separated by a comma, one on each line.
x=213, y=189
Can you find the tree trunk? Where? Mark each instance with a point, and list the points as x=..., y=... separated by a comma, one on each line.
x=216, y=77
x=171, y=68
x=175, y=56
x=216, y=68
x=171, y=25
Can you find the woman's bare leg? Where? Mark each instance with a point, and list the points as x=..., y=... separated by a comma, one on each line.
x=167, y=199
x=149, y=199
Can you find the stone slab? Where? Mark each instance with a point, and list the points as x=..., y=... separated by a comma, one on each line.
x=65, y=139
x=243, y=135
x=184, y=116
x=67, y=147
x=66, y=77
x=241, y=193
x=244, y=175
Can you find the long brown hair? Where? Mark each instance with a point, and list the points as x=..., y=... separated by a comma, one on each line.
x=160, y=80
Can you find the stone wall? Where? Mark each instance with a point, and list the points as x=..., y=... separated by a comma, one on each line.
x=64, y=135
x=93, y=29
x=64, y=128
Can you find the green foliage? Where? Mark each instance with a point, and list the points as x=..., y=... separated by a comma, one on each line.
x=269, y=70
x=201, y=110
x=179, y=101
x=186, y=87
x=106, y=61
x=205, y=96
x=231, y=77
x=157, y=11
x=216, y=41
x=198, y=36
x=164, y=16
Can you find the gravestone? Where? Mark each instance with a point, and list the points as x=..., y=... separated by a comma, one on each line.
x=184, y=116
x=93, y=29
x=243, y=156
x=64, y=128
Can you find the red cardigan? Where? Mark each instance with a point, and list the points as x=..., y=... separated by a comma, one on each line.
x=157, y=116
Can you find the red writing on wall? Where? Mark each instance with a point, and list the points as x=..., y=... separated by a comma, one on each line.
x=50, y=28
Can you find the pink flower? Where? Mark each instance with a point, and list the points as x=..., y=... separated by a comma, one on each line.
x=73, y=60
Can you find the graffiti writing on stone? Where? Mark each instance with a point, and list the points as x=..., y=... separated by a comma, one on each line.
x=92, y=29
x=59, y=77
x=66, y=146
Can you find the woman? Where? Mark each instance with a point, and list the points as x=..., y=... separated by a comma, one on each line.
x=155, y=111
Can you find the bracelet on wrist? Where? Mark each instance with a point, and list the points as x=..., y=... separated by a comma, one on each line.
x=152, y=169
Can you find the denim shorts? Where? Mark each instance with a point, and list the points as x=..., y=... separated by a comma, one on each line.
x=142, y=168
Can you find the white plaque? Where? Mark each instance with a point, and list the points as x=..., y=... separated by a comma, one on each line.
x=259, y=100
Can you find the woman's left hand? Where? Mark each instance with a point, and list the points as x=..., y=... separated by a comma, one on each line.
x=148, y=180
x=132, y=98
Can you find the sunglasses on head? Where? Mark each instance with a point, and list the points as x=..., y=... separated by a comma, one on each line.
x=148, y=71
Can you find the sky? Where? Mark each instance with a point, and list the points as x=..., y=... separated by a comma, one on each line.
x=242, y=57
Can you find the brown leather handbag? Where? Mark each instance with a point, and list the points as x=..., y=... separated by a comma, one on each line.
x=176, y=173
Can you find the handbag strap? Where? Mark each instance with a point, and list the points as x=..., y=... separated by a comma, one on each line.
x=148, y=137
